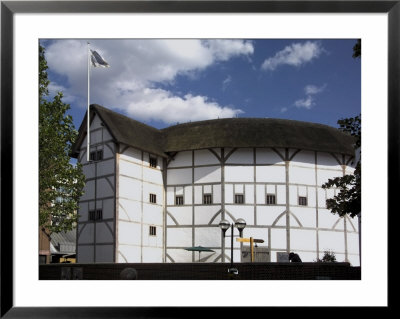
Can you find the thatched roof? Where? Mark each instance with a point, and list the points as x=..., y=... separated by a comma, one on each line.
x=230, y=132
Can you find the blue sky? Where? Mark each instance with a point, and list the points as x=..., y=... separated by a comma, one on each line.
x=165, y=82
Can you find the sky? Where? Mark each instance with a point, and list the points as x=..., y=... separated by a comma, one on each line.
x=163, y=82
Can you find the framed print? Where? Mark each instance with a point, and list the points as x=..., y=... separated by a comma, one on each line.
x=25, y=23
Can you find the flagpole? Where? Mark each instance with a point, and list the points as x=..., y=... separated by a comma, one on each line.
x=88, y=107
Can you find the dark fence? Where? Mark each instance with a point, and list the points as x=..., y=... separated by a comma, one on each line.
x=200, y=271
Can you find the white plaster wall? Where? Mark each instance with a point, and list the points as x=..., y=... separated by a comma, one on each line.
x=129, y=210
x=129, y=254
x=239, y=174
x=131, y=154
x=306, y=216
x=303, y=239
x=108, y=208
x=324, y=175
x=266, y=215
x=152, y=255
x=153, y=241
x=353, y=243
x=229, y=193
x=331, y=240
x=88, y=190
x=152, y=189
x=187, y=200
x=104, y=232
x=130, y=169
x=152, y=175
x=104, y=253
x=129, y=233
x=301, y=175
x=179, y=176
x=327, y=161
x=267, y=156
x=281, y=194
x=86, y=233
x=241, y=156
x=205, y=157
x=270, y=174
x=204, y=214
x=181, y=159
x=326, y=219
x=89, y=171
x=183, y=215
x=305, y=159
x=241, y=211
x=152, y=214
x=198, y=194
x=130, y=188
x=105, y=187
x=216, y=189
x=211, y=174
x=278, y=239
x=170, y=196
x=179, y=237
x=207, y=236
x=85, y=254
x=249, y=191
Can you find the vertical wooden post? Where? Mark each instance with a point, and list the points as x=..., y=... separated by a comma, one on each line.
x=252, y=249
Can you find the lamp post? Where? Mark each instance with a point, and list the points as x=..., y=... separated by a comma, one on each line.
x=240, y=224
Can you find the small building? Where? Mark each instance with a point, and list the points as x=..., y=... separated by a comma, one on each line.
x=151, y=192
x=63, y=247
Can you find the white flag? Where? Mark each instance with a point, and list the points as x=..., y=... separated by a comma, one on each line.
x=97, y=60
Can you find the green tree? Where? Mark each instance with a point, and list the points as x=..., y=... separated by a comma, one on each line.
x=60, y=182
x=357, y=49
x=348, y=200
x=329, y=256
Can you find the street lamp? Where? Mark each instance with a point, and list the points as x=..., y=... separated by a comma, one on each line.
x=240, y=224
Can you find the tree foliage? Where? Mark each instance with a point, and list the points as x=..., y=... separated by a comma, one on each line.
x=329, y=257
x=60, y=182
x=357, y=49
x=348, y=200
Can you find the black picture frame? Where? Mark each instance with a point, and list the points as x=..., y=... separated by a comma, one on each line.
x=9, y=8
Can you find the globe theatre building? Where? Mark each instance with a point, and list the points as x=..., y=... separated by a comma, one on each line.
x=152, y=193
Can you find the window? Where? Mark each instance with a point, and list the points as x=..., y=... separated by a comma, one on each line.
x=152, y=231
x=96, y=214
x=179, y=200
x=302, y=201
x=207, y=199
x=239, y=198
x=153, y=161
x=153, y=198
x=271, y=199
x=96, y=155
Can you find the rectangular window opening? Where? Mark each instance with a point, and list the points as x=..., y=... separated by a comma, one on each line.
x=179, y=200
x=152, y=231
x=96, y=155
x=271, y=199
x=153, y=161
x=96, y=214
x=239, y=199
x=302, y=201
x=153, y=198
x=207, y=199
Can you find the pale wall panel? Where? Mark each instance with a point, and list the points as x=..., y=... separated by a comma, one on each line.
x=207, y=174
x=104, y=253
x=205, y=157
x=272, y=174
x=181, y=159
x=129, y=233
x=241, y=156
x=267, y=156
x=303, y=239
x=179, y=176
x=130, y=210
x=183, y=215
x=179, y=237
x=239, y=174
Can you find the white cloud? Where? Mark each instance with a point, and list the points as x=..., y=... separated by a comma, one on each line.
x=226, y=82
x=138, y=67
x=310, y=91
x=296, y=54
x=305, y=103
